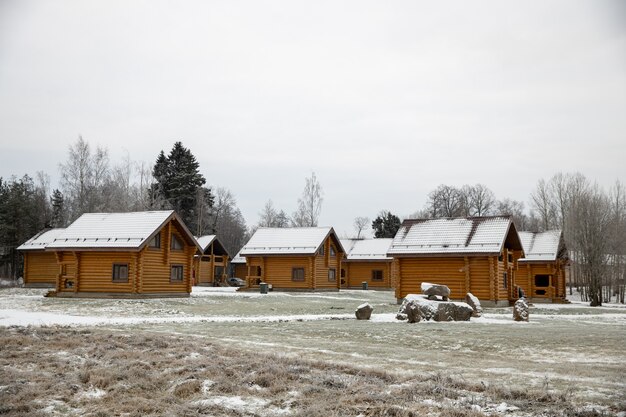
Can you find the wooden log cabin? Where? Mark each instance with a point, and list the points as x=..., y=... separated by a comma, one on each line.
x=542, y=271
x=40, y=267
x=238, y=267
x=474, y=254
x=366, y=261
x=211, y=263
x=299, y=258
x=141, y=254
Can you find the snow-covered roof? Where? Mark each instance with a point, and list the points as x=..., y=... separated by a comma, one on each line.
x=287, y=241
x=41, y=240
x=467, y=235
x=543, y=246
x=238, y=259
x=114, y=230
x=205, y=241
x=366, y=249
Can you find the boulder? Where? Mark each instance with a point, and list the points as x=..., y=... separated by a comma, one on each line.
x=474, y=302
x=418, y=307
x=434, y=290
x=521, y=310
x=364, y=311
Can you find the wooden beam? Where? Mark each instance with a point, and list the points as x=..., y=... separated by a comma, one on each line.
x=492, y=288
x=467, y=275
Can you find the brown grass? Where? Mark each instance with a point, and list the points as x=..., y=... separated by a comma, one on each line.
x=56, y=371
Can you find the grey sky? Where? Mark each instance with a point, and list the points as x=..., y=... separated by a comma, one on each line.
x=383, y=100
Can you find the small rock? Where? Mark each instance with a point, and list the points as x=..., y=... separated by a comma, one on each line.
x=418, y=307
x=521, y=310
x=401, y=316
x=413, y=313
x=474, y=302
x=364, y=311
x=432, y=290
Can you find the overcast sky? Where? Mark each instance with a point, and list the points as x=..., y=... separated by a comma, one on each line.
x=382, y=100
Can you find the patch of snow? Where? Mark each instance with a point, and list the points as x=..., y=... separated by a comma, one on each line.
x=206, y=385
x=244, y=405
x=93, y=393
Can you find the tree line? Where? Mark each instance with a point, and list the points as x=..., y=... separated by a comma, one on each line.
x=593, y=220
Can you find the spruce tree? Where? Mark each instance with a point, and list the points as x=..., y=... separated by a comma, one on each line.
x=178, y=185
x=386, y=225
x=58, y=209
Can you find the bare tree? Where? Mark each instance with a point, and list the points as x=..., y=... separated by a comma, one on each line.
x=267, y=216
x=360, y=224
x=591, y=216
x=515, y=209
x=228, y=222
x=310, y=204
x=83, y=177
x=446, y=201
x=479, y=200
x=542, y=201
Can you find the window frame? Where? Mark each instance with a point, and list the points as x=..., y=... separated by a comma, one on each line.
x=505, y=279
x=321, y=251
x=116, y=270
x=374, y=273
x=334, y=275
x=178, y=241
x=332, y=251
x=542, y=276
x=177, y=267
x=293, y=274
x=157, y=242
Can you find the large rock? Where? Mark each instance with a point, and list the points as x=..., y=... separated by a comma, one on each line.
x=434, y=290
x=474, y=302
x=364, y=311
x=419, y=307
x=521, y=310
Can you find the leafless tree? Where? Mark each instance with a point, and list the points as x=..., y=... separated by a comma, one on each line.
x=310, y=204
x=446, y=201
x=542, y=202
x=515, y=209
x=360, y=224
x=227, y=221
x=479, y=200
x=83, y=176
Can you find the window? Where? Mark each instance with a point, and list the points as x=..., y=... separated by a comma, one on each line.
x=219, y=271
x=176, y=243
x=297, y=274
x=510, y=258
x=332, y=275
x=343, y=273
x=377, y=275
x=321, y=252
x=500, y=259
x=255, y=271
x=542, y=280
x=176, y=273
x=120, y=272
x=504, y=279
x=155, y=243
x=332, y=251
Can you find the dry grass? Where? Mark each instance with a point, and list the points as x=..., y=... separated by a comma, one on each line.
x=95, y=372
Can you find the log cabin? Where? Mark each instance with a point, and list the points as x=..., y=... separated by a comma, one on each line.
x=474, y=254
x=366, y=261
x=141, y=254
x=238, y=266
x=298, y=258
x=542, y=271
x=40, y=267
x=210, y=264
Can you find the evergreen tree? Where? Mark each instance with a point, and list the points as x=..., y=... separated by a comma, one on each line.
x=386, y=225
x=179, y=185
x=58, y=209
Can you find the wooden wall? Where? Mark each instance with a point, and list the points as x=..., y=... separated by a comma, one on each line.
x=240, y=271
x=480, y=275
x=556, y=271
x=40, y=268
x=359, y=271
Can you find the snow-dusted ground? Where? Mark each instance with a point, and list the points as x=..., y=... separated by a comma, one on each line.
x=24, y=307
x=565, y=346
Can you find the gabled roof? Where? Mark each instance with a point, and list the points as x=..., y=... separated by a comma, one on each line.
x=238, y=259
x=447, y=236
x=116, y=231
x=367, y=249
x=40, y=240
x=288, y=241
x=541, y=246
x=205, y=242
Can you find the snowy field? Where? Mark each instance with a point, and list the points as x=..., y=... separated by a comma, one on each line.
x=573, y=353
